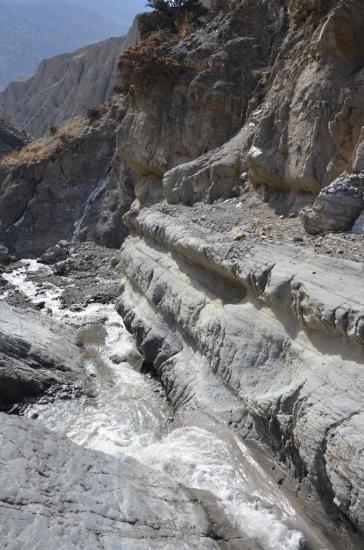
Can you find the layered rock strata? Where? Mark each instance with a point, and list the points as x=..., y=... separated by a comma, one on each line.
x=264, y=336
x=244, y=323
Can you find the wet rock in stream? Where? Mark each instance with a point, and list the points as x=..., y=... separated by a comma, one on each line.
x=33, y=354
x=55, y=494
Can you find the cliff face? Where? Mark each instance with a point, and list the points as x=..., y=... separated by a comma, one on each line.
x=236, y=296
x=71, y=173
x=311, y=118
x=32, y=30
x=295, y=89
x=175, y=120
x=63, y=86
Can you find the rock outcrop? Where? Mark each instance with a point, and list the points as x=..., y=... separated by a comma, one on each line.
x=216, y=72
x=273, y=329
x=283, y=107
x=262, y=334
x=309, y=122
x=337, y=207
x=81, y=498
x=33, y=355
x=63, y=86
x=233, y=306
x=71, y=173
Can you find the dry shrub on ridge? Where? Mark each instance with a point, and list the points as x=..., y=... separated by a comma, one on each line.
x=144, y=63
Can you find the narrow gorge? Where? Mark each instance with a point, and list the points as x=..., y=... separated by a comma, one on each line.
x=182, y=288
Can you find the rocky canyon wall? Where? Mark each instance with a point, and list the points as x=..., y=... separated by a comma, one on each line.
x=241, y=320
x=221, y=139
x=65, y=187
x=295, y=89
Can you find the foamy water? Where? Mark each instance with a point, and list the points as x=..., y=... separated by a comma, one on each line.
x=129, y=415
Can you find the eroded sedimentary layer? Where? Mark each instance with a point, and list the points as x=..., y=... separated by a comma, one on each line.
x=266, y=336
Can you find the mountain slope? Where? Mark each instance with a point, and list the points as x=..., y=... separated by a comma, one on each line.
x=63, y=86
x=32, y=30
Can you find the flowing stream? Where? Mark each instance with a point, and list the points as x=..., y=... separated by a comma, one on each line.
x=129, y=415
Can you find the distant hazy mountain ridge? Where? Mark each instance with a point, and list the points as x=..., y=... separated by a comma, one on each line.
x=64, y=86
x=33, y=30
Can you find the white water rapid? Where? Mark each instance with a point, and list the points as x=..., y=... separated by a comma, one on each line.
x=129, y=415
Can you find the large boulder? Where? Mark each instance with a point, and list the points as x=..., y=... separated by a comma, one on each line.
x=4, y=255
x=36, y=353
x=337, y=206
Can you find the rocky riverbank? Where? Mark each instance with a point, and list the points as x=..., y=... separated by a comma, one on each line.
x=273, y=330
x=51, y=487
x=199, y=487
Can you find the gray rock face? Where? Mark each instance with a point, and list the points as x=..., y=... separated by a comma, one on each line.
x=213, y=175
x=56, y=493
x=264, y=334
x=206, y=103
x=63, y=187
x=310, y=118
x=35, y=354
x=301, y=98
x=337, y=207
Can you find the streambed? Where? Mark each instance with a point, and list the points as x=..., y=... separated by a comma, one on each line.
x=126, y=413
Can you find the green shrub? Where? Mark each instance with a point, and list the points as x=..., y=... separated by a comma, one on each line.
x=175, y=16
